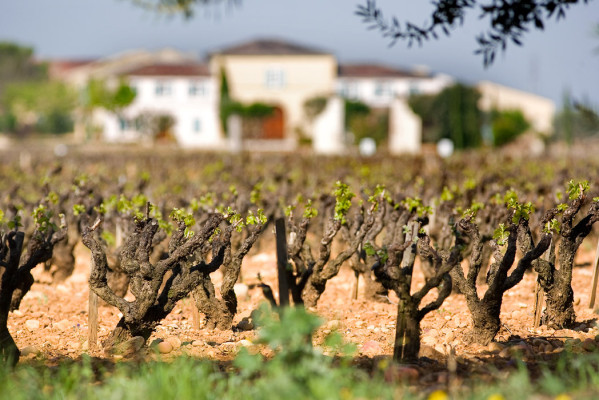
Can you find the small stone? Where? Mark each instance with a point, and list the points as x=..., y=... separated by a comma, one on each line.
x=245, y=324
x=432, y=353
x=32, y=324
x=229, y=347
x=370, y=327
x=241, y=291
x=495, y=347
x=576, y=301
x=17, y=313
x=164, y=347
x=129, y=347
x=505, y=353
x=63, y=289
x=522, y=348
x=197, y=343
x=401, y=373
x=589, y=345
x=432, y=333
x=29, y=350
x=85, y=346
x=62, y=325
x=174, y=341
x=245, y=343
x=333, y=324
x=371, y=346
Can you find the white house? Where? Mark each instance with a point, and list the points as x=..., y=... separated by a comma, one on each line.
x=187, y=92
x=539, y=111
x=378, y=85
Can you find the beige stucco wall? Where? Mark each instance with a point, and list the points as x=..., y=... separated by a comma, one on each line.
x=305, y=76
x=539, y=111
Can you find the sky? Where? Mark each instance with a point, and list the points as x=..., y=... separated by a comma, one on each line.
x=563, y=57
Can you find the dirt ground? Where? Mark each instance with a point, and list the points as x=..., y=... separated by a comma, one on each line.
x=52, y=322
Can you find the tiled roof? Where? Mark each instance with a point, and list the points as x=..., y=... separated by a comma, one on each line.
x=374, y=71
x=57, y=68
x=269, y=47
x=186, y=69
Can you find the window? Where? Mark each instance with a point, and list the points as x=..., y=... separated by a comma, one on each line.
x=197, y=125
x=163, y=89
x=414, y=88
x=349, y=90
x=382, y=89
x=197, y=89
x=274, y=78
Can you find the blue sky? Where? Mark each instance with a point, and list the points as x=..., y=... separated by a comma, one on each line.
x=563, y=57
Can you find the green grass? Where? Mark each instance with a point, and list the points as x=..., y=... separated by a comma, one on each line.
x=296, y=370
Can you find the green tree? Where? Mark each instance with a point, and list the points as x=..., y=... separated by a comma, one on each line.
x=98, y=94
x=508, y=20
x=364, y=122
x=507, y=125
x=18, y=65
x=45, y=106
x=577, y=119
x=452, y=114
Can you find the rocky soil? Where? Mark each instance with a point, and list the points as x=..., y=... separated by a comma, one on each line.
x=52, y=322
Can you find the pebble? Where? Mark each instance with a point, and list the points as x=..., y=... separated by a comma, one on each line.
x=245, y=343
x=401, y=373
x=164, y=347
x=245, y=325
x=174, y=341
x=333, y=324
x=63, y=289
x=371, y=346
x=62, y=325
x=17, y=313
x=129, y=347
x=495, y=347
x=241, y=291
x=32, y=324
x=197, y=343
x=28, y=350
x=589, y=345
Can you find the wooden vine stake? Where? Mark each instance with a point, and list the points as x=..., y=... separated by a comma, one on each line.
x=539, y=293
x=282, y=260
x=92, y=308
x=403, y=325
x=93, y=320
x=595, y=278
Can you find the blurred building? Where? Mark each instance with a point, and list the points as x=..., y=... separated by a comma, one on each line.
x=279, y=73
x=178, y=97
x=538, y=111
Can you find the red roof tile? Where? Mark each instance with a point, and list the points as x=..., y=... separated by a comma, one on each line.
x=374, y=71
x=187, y=69
x=269, y=47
